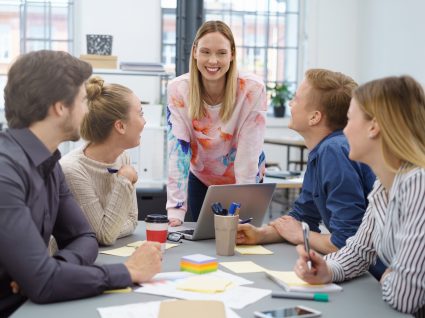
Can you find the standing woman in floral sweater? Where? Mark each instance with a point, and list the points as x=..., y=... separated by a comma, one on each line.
x=216, y=123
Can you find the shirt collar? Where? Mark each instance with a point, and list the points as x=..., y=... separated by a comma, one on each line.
x=313, y=152
x=379, y=190
x=32, y=146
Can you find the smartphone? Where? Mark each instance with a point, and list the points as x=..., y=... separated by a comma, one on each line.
x=291, y=312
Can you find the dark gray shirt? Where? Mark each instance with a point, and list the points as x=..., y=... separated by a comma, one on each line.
x=36, y=202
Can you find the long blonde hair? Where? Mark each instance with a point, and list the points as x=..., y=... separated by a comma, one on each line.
x=107, y=103
x=197, y=108
x=398, y=105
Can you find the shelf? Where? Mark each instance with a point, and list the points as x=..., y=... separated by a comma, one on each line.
x=104, y=71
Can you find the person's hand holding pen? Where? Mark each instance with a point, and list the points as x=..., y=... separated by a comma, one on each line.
x=248, y=234
x=126, y=171
x=319, y=273
x=306, y=241
x=248, y=220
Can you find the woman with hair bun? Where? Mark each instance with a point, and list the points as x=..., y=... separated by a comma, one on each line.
x=113, y=124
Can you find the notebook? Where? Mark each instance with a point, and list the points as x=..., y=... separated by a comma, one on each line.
x=254, y=199
x=292, y=283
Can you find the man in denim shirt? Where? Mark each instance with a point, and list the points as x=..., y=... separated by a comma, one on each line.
x=335, y=188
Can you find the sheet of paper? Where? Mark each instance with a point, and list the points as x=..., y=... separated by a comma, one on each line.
x=180, y=276
x=237, y=297
x=138, y=243
x=243, y=267
x=204, y=284
x=170, y=276
x=233, y=296
x=129, y=249
x=124, y=251
x=145, y=310
x=237, y=280
x=252, y=250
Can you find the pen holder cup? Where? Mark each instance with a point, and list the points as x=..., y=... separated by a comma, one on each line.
x=225, y=234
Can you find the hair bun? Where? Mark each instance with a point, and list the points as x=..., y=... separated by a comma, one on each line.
x=94, y=87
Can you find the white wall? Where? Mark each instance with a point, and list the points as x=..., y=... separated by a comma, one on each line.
x=366, y=39
x=331, y=35
x=392, y=38
x=136, y=29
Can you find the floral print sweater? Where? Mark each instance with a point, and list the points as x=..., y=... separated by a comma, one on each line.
x=215, y=152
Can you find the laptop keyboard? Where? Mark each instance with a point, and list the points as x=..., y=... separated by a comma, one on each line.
x=190, y=232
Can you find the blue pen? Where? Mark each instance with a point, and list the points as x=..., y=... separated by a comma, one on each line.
x=233, y=207
x=248, y=220
x=112, y=170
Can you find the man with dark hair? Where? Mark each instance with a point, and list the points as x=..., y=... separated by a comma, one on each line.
x=45, y=103
x=335, y=188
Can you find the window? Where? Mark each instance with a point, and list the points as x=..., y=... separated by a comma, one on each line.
x=265, y=31
x=28, y=25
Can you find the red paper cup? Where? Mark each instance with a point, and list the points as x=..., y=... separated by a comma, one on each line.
x=157, y=228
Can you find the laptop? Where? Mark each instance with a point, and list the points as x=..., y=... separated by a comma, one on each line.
x=254, y=199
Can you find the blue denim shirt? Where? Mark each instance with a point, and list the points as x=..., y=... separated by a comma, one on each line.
x=334, y=190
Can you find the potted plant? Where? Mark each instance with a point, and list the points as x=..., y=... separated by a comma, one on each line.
x=280, y=94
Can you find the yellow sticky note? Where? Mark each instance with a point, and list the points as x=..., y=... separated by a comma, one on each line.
x=118, y=291
x=204, y=284
x=170, y=245
x=252, y=250
x=138, y=243
x=243, y=267
x=124, y=251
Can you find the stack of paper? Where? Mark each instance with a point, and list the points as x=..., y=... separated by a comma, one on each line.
x=234, y=295
x=291, y=282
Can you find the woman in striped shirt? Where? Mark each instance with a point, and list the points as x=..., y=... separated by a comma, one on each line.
x=386, y=131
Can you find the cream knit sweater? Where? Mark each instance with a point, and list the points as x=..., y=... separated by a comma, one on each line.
x=108, y=200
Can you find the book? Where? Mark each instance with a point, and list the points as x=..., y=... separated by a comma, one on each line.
x=292, y=283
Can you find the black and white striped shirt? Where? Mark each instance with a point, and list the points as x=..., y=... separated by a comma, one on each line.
x=394, y=229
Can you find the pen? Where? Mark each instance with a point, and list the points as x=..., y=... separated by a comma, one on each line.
x=233, y=207
x=248, y=220
x=112, y=170
x=308, y=296
x=306, y=230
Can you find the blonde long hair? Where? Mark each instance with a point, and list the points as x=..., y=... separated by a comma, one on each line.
x=107, y=103
x=398, y=105
x=197, y=108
